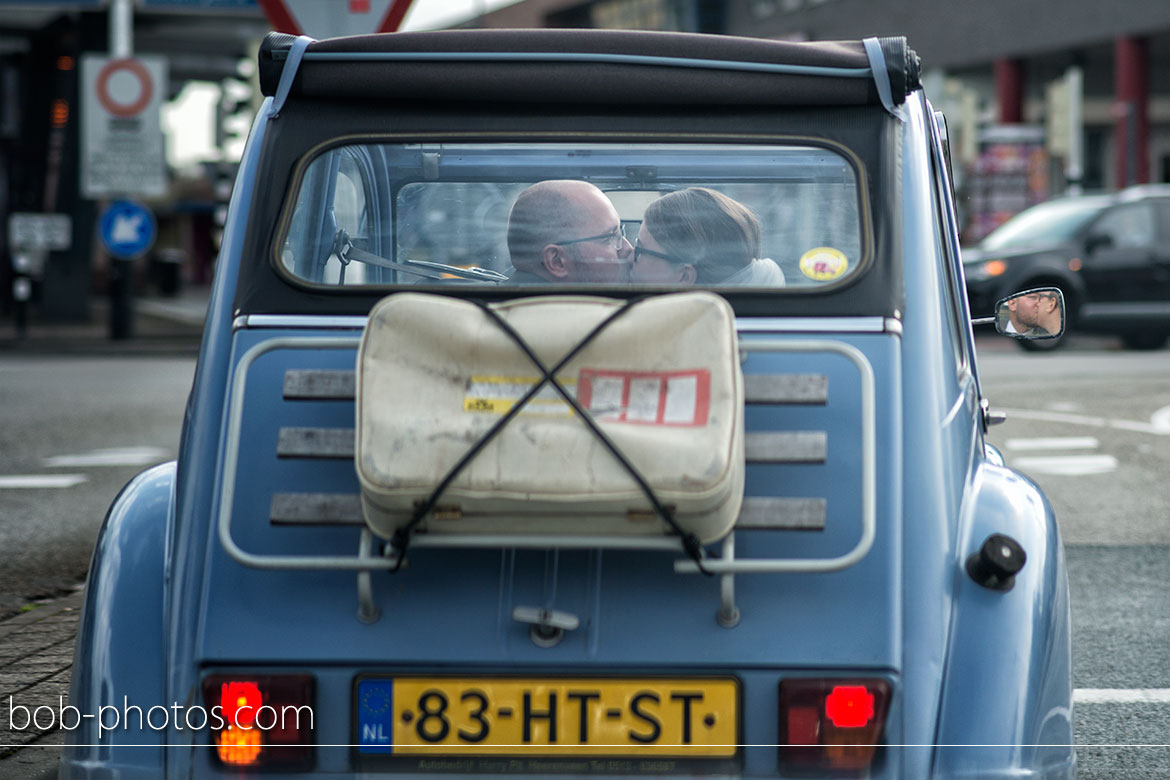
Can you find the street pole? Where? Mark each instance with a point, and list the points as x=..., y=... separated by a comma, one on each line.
x=121, y=28
x=1074, y=170
x=120, y=284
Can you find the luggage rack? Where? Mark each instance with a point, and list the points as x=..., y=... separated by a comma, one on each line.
x=344, y=510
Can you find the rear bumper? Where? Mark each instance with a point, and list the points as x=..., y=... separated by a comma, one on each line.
x=76, y=770
x=1062, y=770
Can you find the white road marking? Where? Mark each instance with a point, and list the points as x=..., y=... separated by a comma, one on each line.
x=1161, y=420
x=1055, y=443
x=1065, y=417
x=41, y=480
x=1121, y=696
x=1159, y=424
x=1066, y=465
x=116, y=456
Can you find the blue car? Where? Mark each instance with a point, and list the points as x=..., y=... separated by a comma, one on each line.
x=584, y=403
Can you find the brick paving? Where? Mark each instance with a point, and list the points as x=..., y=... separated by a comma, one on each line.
x=36, y=658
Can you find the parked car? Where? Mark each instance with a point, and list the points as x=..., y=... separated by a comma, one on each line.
x=1108, y=253
x=440, y=511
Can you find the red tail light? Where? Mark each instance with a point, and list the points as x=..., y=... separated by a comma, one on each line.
x=831, y=725
x=260, y=720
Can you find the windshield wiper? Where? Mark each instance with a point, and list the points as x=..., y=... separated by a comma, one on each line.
x=346, y=252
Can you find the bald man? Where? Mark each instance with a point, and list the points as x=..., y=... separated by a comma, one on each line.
x=564, y=230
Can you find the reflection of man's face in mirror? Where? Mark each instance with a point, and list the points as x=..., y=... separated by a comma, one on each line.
x=1049, y=315
x=1024, y=311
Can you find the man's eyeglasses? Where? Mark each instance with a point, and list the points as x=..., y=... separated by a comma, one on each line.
x=613, y=239
x=641, y=250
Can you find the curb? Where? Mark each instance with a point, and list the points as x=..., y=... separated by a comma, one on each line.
x=164, y=326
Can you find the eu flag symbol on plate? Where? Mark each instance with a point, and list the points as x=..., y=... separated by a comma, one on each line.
x=375, y=720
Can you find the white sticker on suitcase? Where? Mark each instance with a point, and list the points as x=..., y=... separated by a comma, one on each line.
x=647, y=397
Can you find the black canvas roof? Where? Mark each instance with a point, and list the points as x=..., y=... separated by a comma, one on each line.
x=593, y=66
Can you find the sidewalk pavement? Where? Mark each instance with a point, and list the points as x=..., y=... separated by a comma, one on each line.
x=36, y=646
x=36, y=658
x=160, y=325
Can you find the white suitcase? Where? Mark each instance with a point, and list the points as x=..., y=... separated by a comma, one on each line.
x=663, y=380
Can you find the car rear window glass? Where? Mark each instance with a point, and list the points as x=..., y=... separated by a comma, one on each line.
x=775, y=217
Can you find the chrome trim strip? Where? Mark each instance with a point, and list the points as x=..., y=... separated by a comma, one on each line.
x=812, y=325
x=364, y=560
x=300, y=321
x=868, y=474
x=742, y=324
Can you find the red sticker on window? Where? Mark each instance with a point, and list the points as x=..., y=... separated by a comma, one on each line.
x=646, y=397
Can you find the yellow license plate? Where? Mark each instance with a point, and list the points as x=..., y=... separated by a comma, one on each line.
x=683, y=716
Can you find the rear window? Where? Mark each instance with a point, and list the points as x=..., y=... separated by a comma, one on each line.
x=787, y=218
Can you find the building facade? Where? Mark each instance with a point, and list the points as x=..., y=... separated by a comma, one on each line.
x=1000, y=70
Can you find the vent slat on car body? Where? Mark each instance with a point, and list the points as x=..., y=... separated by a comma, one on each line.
x=786, y=447
x=761, y=447
x=315, y=443
x=345, y=509
x=772, y=447
x=785, y=389
x=318, y=385
x=322, y=385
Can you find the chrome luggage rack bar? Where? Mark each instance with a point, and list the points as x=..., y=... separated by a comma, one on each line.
x=758, y=513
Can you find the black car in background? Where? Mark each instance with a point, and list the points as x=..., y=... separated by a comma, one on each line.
x=1109, y=254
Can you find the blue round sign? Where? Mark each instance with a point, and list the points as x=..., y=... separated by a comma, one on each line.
x=127, y=229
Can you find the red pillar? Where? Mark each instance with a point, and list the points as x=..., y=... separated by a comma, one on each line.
x=1131, y=110
x=1009, y=90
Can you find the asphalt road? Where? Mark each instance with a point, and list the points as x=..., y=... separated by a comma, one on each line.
x=73, y=431
x=1091, y=425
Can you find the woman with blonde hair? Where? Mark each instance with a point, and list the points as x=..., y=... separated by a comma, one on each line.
x=701, y=236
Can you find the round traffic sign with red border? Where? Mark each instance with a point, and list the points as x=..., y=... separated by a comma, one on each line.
x=139, y=72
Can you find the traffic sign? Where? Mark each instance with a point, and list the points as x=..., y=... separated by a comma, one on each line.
x=122, y=140
x=39, y=231
x=127, y=229
x=332, y=18
x=136, y=93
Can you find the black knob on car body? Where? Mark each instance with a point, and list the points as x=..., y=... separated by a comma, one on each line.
x=998, y=561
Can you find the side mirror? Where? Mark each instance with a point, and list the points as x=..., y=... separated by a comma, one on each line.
x=1031, y=315
x=1097, y=241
